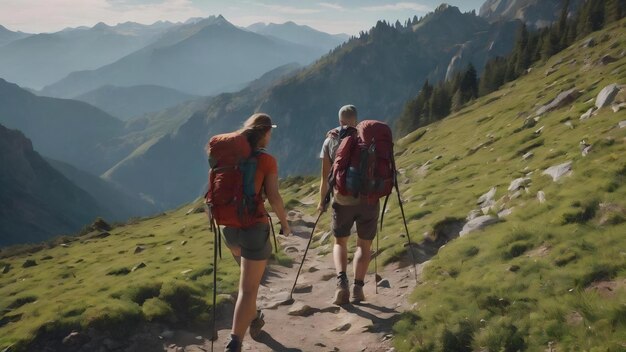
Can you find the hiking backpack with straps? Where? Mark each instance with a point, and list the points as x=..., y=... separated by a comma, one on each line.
x=364, y=165
x=231, y=197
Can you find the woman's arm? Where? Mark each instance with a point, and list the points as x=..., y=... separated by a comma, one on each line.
x=276, y=201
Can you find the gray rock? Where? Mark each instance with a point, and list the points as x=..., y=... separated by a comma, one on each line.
x=183, y=242
x=519, y=183
x=586, y=150
x=569, y=124
x=328, y=276
x=65, y=245
x=471, y=216
x=588, y=114
x=607, y=59
x=514, y=268
x=28, y=263
x=550, y=71
x=607, y=95
x=342, y=328
x=300, y=310
x=312, y=269
x=291, y=249
x=487, y=197
x=505, y=212
x=6, y=268
x=383, y=283
x=622, y=124
x=558, y=171
x=561, y=100
x=139, y=249
x=541, y=197
x=528, y=155
x=138, y=266
x=478, y=223
x=589, y=43
x=618, y=107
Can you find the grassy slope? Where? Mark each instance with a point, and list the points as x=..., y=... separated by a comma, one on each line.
x=73, y=288
x=467, y=289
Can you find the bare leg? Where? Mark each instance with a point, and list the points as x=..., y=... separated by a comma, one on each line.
x=236, y=252
x=362, y=258
x=340, y=254
x=245, y=309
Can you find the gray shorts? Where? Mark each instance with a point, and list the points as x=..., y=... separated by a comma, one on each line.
x=253, y=241
x=365, y=216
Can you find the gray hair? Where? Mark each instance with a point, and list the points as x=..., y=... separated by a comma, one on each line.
x=347, y=111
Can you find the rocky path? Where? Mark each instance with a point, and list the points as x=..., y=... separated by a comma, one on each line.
x=312, y=322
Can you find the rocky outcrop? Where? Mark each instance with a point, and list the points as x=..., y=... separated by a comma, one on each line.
x=478, y=223
x=561, y=100
x=607, y=95
x=558, y=171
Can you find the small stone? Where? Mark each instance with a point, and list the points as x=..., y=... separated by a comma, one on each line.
x=313, y=269
x=180, y=349
x=618, y=107
x=622, y=124
x=303, y=288
x=541, y=197
x=378, y=277
x=138, y=266
x=184, y=242
x=589, y=43
x=514, y=268
x=319, y=344
x=342, y=328
x=6, y=268
x=65, y=245
x=569, y=124
x=139, y=249
x=504, y=213
x=588, y=114
x=187, y=271
x=607, y=59
x=299, y=310
x=328, y=276
x=478, y=223
x=528, y=155
x=199, y=338
x=383, y=283
x=487, y=197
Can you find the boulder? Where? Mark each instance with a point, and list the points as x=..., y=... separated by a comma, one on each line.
x=519, y=183
x=607, y=95
x=541, y=197
x=471, y=216
x=300, y=310
x=565, y=98
x=487, y=197
x=588, y=114
x=478, y=223
x=622, y=124
x=558, y=171
x=505, y=212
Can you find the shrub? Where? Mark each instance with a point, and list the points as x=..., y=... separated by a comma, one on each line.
x=185, y=300
x=516, y=249
x=120, y=318
x=586, y=212
x=140, y=293
x=156, y=310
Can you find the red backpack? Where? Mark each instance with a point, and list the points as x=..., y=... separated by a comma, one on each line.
x=231, y=197
x=364, y=165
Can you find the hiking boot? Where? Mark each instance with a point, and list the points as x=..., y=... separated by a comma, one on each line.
x=234, y=345
x=256, y=325
x=357, y=294
x=342, y=293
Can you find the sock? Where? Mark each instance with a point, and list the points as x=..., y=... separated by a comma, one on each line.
x=359, y=283
x=342, y=275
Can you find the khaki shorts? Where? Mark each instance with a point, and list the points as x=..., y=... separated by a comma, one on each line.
x=253, y=241
x=365, y=216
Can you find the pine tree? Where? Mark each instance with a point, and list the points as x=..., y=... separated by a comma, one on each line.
x=469, y=84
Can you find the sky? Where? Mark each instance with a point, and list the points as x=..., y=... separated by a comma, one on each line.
x=332, y=16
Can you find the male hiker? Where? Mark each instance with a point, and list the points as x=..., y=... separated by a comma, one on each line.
x=346, y=210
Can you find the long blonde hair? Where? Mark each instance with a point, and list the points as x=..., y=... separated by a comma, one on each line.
x=255, y=128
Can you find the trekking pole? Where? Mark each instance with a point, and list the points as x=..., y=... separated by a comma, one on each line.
x=406, y=228
x=273, y=234
x=303, y=258
x=376, y=265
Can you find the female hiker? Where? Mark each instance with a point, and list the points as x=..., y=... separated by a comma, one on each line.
x=250, y=244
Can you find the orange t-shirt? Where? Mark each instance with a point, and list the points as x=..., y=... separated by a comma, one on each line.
x=266, y=165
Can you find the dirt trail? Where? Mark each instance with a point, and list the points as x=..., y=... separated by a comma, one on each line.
x=363, y=327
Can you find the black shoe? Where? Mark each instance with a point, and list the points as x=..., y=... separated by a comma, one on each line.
x=234, y=345
x=256, y=325
x=342, y=293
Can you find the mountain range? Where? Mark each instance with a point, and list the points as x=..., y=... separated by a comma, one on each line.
x=535, y=13
x=204, y=58
x=7, y=36
x=378, y=72
x=300, y=34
